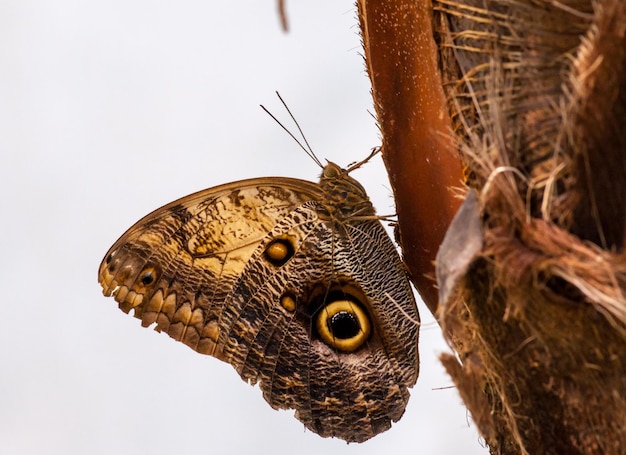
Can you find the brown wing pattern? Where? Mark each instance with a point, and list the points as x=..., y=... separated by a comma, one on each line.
x=351, y=395
x=245, y=272
x=176, y=266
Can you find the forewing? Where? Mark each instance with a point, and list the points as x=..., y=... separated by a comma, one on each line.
x=175, y=266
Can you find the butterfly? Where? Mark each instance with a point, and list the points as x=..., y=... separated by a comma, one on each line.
x=295, y=284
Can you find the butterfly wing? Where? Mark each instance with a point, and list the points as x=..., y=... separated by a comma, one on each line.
x=245, y=271
x=353, y=395
x=176, y=266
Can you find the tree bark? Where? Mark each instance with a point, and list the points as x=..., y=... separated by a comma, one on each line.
x=528, y=98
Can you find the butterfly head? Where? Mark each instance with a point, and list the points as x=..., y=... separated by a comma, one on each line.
x=344, y=197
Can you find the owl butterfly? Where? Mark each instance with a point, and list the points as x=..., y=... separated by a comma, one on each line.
x=295, y=284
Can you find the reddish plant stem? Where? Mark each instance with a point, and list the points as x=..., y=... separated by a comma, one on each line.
x=418, y=146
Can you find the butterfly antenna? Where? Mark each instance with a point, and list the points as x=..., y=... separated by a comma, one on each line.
x=308, y=150
x=297, y=126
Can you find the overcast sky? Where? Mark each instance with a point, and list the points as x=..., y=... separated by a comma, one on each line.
x=110, y=109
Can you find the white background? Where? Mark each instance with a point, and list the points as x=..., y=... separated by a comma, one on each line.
x=109, y=109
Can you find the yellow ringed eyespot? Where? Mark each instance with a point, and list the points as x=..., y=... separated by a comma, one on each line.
x=343, y=324
x=279, y=251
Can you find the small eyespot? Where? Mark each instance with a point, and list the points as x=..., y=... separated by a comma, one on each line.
x=288, y=302
x=344, y=325
x=279, y=251
x=110, y=263
x=148, y=276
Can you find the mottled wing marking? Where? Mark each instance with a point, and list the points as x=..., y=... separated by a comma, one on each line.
x=328, y=390
x=199, y=269
x=198, y=247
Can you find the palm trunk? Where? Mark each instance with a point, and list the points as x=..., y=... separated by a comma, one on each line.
x=526, y=101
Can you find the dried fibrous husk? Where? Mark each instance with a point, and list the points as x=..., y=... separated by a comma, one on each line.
x=536, y=91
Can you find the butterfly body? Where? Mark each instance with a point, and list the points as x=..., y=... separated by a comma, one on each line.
x=295, y=284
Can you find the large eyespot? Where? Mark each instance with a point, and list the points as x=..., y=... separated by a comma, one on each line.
x=343, y=324
x=279, y=251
